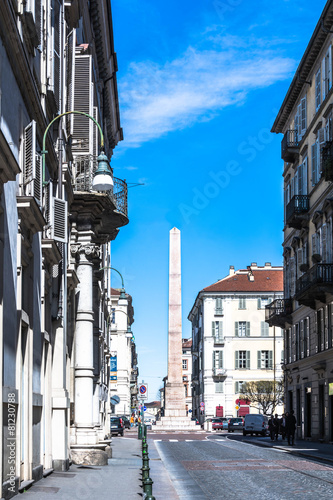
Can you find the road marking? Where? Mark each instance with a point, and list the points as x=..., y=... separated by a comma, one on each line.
x=189, y=440
x=155, y=440
x=173, y=440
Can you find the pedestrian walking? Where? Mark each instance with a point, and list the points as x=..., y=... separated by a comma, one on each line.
x=290, y=427
x=271, y=427
x=276, y=424
x=283, y=426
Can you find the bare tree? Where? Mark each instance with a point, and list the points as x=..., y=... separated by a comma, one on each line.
x=264, y=395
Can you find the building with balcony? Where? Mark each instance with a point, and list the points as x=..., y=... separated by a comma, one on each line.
x=124, y=360
x=187, y=373
x=56, y=57
x=305, y=120
x=231, y=342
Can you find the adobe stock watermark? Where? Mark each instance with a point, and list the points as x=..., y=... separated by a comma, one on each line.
x=218, y=181
x=223, y=7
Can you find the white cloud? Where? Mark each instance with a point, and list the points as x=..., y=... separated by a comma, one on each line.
x=157, y=99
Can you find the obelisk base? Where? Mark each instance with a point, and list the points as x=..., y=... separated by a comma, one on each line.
x=174, y=423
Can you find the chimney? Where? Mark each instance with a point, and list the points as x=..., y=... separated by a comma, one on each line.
x=268, y=264
x=231, y=270
x=253, y=264
x=250, y=275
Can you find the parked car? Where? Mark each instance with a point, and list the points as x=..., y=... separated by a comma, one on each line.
x=126, y=422
x=225, y=424
x=217, y=423
x=255, y=424
x=117, y=426
x=235, y=424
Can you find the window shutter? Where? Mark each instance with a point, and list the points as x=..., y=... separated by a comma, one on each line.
x=292, y=185
x=236, y=328
x=56, y=30
x=324, y=242
x=303, y=116
x=236, y=359
x=220, y=330
x=248, y=359
x=296, y=121
x=299, y=121
x=259, y=359
x=262, y=328
x=71, y=43
x=220, y=359
x=318, y=82
x=214, y=360
x=270, y=360
x=324, y=77
x=314, y=163
x=82, y=102
x=292, y=276
x=259, y=303
x=59, y=227
x=32, y=171
x=213, y=328
x=39, y=21
x=247, y=328
x=329, y=72
x=218, y=306
x=299, y=260
x=304, y=185
x=236, y=387
x=95, y=132
x=314, y=241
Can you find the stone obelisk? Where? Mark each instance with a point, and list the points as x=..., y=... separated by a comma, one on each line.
x=174, y=398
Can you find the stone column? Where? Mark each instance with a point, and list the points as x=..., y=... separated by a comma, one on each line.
x=86, y=448
x=175, y=395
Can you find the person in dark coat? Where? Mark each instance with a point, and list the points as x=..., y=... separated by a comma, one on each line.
x=271, y=427
x=290, y=427
x=276, y=423
x=283, y=426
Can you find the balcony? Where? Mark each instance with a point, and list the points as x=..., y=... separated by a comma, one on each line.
x=218, y=340
x=296, y=210
x=113, y=203
x=314, y=285
x=290, y=146
x=219, y=372
x=278, y=313
x=327, y=161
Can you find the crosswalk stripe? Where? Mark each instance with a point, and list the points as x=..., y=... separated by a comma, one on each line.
x=173, y=440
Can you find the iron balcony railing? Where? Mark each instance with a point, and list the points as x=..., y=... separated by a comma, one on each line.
x=289, y=145
x=219, y=372
x=327, y=161
x=299, y=204
x=279, y=307
x=83, y=171
x=318, y=274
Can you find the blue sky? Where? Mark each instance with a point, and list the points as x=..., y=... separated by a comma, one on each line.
x=200, y=84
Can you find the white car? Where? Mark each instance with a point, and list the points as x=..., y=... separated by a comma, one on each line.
x=255, y=424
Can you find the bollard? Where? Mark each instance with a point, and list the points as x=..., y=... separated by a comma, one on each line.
x=145, y=468
x=139, y=431
x=148, y=489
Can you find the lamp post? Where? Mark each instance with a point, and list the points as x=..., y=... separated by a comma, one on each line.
x=103, y=176
x=122, y=297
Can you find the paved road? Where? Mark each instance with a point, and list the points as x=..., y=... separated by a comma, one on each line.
x=222, y=466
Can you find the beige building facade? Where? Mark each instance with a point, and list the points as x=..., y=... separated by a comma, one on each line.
x=305, y=120
x=231, y=342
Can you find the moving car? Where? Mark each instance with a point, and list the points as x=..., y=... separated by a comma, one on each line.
x=218, y=422
x=235, y=423
x=255, y=424
x=117, y=426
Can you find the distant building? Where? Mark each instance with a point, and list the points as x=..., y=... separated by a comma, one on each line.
x=232, y=343
x=305, y=119
x=124, y=364
x=187, y=372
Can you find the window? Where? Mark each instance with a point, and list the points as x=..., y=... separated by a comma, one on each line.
x=217, y=330
x=329, y=325
x=316, y=156
x=302, y=177
x=326, y=71
x=113, y=315
x=242, y=303
x=219, y=387
x=300, y=119
x=218, y=306
x=265, y=360
x=186, y=390
x=263, y=302
x=185, y=379
x=242, y=359
x=184, y=364
x=306, y=334
x=238, y=386
x=264, y=329
x=218, y=362
x=242, y=328
x=320, y=330
x=297, y=342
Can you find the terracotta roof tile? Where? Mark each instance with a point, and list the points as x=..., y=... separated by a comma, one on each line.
x=265, y=280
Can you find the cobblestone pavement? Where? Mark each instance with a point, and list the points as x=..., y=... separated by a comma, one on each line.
x=232, y=469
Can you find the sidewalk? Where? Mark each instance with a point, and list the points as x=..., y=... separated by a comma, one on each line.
x=308, y=449
x=119, y=480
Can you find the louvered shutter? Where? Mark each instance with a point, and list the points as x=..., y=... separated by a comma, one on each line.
x=259, y=359
x=39, y=21
x=259, y=303
x=220, y=364
x=236, y=359
x=299, y=121
x=321, y=142
x=296, y=121
x=32, y=171
x=270, y=360
x=82, y=102
x=304, y=177
x=248, y=360
x=220, y=330
x=314, y=243
x=236, y=329
x=299, y=260
x=329, y=69
x=318, y=84
x=214, y=360
x=247, y=329
x=236, y=387
x=213, y=329
x=56, y=31
x=303, y=116
x=292, y=276
x=95, y=133
x=314, y=164
x=59, y=227
x=37, y=182
x=71, y=43
x=324, y=242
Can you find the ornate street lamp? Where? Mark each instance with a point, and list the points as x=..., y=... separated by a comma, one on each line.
x=122, y=297
x=103, y=176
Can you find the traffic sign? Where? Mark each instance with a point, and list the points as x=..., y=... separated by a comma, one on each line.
x=115, y=400
x=236, y=407
x=202, y=404
x=144, y=408
x=143, y=391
